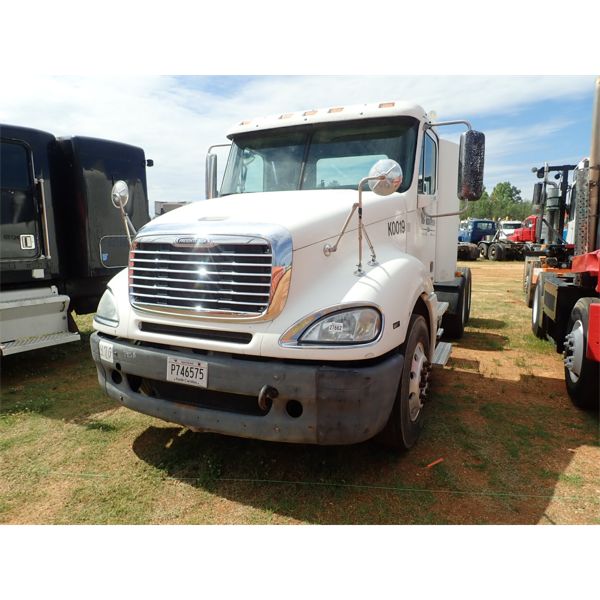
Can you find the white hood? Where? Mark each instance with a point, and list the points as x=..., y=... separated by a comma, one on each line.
x=310, y=216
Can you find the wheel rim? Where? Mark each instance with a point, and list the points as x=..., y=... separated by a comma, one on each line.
x=534, y=309
x=574, y=350
x=417, y=381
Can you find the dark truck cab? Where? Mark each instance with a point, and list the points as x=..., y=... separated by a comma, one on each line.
x=61, y=240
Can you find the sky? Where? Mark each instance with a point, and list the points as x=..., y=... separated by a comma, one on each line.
x=526, y=119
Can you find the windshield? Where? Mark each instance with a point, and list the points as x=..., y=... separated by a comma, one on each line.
x=511, y=226
x=485, y=225
x=322, y=156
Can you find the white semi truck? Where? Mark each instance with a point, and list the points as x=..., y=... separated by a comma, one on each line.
x=304, y=300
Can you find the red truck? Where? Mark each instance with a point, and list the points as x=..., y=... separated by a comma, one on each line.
x=525, y=233
x=566, y=306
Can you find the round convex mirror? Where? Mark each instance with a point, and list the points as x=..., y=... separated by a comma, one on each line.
x=392, y=177
x=119, y=194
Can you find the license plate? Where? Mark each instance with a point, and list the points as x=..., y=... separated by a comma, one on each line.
x=106, y=351
x=187, y=371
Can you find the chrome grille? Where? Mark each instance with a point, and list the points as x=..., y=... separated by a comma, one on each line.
x=220, y=277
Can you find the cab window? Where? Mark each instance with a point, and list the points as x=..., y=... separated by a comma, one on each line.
x=16, y=184
x=428, y=168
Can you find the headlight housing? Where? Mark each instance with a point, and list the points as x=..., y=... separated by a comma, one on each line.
x=107, y=312
x=344, y=327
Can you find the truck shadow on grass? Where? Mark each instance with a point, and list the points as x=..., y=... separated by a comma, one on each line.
x=481, y=340
x=504, y=446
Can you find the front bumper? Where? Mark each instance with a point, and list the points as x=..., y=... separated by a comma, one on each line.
x=339, y=405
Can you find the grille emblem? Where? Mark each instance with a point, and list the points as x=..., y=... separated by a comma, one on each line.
x=191, y=242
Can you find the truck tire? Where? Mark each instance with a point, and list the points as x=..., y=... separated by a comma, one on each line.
x=483, y=250
x=453, y=324
x=467, y=277
x=496, y=252
x=528, y=287
x=406, y=419
x=582, y=387
x=537, y=310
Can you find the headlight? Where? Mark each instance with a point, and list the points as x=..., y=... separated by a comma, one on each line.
x=107, y=312
x=353, y=326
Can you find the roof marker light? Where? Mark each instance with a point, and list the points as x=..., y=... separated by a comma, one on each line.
x=336, y=110
x=309, y=113
x=245, y=122
x=387, y=105
x=286, y=115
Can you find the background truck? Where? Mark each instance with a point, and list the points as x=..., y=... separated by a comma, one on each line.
x=566, y=305
x=60, y=240
x=304, y=300
x=549, y=235
x=541, y=235
x=470, y=232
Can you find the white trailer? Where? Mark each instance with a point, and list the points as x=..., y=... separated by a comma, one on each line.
x=304, y=300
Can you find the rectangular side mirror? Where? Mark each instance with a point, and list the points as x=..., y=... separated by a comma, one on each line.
x=537, y=194
x=470, y=165
x=211, y=176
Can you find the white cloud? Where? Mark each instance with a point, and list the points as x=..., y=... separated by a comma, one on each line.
x=175, y=123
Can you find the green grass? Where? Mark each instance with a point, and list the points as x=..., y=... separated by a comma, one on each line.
x=68, y=454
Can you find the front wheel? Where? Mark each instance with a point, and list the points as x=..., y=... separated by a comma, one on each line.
x=581, y=373
x=406, y=419
x=483, y=250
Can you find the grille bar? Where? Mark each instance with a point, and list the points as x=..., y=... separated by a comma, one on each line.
x=212, y=310
x=192, y=272
x=205, y=282
x=199, y=291
x=169, y=252
x=198, y=262
x=205, y=300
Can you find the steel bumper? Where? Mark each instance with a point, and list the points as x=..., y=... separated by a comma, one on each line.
x=340, y=405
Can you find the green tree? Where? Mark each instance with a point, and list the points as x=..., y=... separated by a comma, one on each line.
x=505, y=202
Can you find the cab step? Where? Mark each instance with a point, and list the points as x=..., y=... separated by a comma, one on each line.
x=34, y=318
x=39, y=341
x=441, y=354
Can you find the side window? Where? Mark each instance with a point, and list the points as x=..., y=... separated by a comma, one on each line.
x=428, y=168
x=16, y=185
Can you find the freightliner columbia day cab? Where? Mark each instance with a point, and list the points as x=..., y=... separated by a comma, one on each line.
x=302, y=301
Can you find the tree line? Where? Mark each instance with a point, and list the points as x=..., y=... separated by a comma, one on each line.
x=505, y=202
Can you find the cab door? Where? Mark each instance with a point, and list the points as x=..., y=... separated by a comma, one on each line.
x=19, y=215
x=425, y=236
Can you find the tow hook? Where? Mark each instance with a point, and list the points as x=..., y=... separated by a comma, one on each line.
x=266, y=395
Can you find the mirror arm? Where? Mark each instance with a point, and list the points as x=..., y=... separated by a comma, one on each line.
x=126, y=221
x=328, y=249
x=444, y=123
x=452, y=214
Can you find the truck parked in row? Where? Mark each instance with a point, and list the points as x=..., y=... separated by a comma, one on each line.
x=471, y=231
x=549, y=235
x=60, y=243
x=566, y=305
x=305, y=299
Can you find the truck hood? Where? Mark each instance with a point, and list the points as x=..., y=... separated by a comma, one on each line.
x=310, y=216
